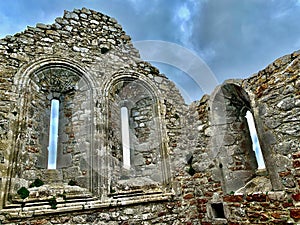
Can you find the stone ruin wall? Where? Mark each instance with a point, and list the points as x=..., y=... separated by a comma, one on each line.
x=192, y=164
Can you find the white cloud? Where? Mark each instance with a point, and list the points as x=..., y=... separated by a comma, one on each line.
x=183, y=18
x=184, y=13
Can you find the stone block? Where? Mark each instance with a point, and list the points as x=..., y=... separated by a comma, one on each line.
x=295, y=213
x=233, y=198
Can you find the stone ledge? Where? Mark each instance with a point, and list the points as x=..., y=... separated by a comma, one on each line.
x=15, y=211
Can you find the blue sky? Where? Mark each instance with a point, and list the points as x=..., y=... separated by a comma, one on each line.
x=53, y=138
x=235, y=38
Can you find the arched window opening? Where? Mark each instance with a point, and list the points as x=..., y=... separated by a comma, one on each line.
x=255, y=141
x=125, y=138
x=233, y=123
x=53, y=134
x=135, y=144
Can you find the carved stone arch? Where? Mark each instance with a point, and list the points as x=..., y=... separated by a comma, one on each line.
x=150, y=169
x=23, y=75
x=75, y=88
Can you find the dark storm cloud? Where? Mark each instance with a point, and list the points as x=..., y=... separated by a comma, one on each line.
x=143, y=20
x=239, y=37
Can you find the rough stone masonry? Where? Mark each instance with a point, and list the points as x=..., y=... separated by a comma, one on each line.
x=187, y=164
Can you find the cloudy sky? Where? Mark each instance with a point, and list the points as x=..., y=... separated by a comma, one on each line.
x=235, y=38
x=227, y=38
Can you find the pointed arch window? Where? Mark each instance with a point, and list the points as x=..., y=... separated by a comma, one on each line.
x=59, y=120
x=136, y=150
x=235, y=131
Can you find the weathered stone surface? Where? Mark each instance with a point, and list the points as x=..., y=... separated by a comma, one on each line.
x=233, y=198
x=295, y=213
x=187, y=164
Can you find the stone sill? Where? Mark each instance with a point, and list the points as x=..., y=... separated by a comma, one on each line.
x=15, y=211
x=261, y=172
x=135, y=193
x=220, y=221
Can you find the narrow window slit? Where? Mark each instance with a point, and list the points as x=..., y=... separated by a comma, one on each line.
x=53, y=134
x=255, y=141
x=125, y=138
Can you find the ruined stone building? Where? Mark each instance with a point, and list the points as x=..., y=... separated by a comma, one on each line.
x=182, y=164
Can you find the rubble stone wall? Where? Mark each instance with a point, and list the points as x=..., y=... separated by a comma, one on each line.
x=188, y=164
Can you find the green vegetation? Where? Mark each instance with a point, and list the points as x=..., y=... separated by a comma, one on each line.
x=23, y=192
x=37, y=183
x=112, y=190
x=63, y=195
x=72, y=183
x=191, y=171
x=53, y=202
